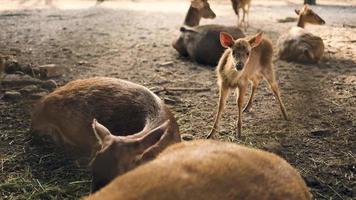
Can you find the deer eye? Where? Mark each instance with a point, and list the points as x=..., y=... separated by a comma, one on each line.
x=248, y=53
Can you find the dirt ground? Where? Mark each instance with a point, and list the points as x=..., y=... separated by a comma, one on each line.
x=131, y=40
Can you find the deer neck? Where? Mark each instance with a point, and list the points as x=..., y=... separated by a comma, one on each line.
x=193, y=17
x=301, y=22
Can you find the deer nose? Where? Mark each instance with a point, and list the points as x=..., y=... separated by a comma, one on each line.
x=239, y=66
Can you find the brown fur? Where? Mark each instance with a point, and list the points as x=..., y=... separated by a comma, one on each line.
x=298, y=44
x=201, y=43
x=197, y=10
x=256, y=58
x=123, y=107
x=245, y=6
x=209, y=170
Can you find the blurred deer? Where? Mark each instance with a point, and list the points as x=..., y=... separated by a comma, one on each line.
x=125, y=108
x=246, y=59
x=245, y=6
x=201, y=43
x=300, y=45
x=211, y=170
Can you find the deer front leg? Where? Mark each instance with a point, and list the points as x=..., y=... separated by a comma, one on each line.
x=223, y=94
x=240, y=102
x=255, y=83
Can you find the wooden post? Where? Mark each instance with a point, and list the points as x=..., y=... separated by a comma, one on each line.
x=310, y=2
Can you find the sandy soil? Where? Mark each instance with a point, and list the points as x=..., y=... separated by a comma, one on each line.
x=131, y=40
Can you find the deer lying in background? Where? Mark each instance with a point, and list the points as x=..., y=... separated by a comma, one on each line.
x=125, y=108
x=201, y=43
x=298, y=44
x=245, y=6
x=209, y=170
x=244, y=60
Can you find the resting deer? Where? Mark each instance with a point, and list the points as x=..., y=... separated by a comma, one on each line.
x=211, y=170
x=244, y=60
x=300, y=45
x=201, y=43
x=245, y=6
x=125, y=108
x=118, y=154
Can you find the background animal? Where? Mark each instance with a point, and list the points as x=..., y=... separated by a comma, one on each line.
x=246, y=59
x=209, y=170
x=298, y=44
x=245, y=6
x=201, y=43
x=125, y=108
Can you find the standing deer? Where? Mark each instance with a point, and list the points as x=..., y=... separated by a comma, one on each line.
x=213, y=170
x=125, y=108
x=201, y=43
x=245, y=6
x=300, y=45
x=246, y=59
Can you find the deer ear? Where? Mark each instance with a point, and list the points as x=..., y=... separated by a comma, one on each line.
x=297, y=11
x=226, y=40
x=198, y=4
x=101, y=132
x=256, y=40
x=152, y=138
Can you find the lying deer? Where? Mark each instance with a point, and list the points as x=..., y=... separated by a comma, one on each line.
x=300, y=45
x=245, y=6
x=124, y=107
x=244, y=60
x=118, y=154
x=201, y=43
x=211, y=170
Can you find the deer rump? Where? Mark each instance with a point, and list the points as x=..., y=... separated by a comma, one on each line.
x=202, y=43
x=123, y=107
x=306, y=48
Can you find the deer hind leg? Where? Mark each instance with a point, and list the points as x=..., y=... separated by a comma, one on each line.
x=240, y=93
x=269, y=76
x=255, y=82
x=223, y=94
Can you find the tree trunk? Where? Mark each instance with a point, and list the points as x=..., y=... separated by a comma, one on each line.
x=310, y=2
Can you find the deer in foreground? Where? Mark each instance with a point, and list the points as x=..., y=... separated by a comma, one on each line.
x=118, y=154
x=300, y=45
x=201, y=43
x=205, y=169
x=244, y=60
x=125, y=108
x=245, y=6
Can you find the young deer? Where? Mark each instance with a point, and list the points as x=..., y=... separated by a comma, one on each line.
x=245, y=6
x=123, y=107
x=298, y=44
x=201, y=43
x=244, y=60
x=211, y=170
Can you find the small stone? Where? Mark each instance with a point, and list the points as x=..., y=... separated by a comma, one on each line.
x=29, y=89
x=49, y=84
x=187, y=137
x=52, y=70
x=12, y=95
x=19, y=80
x=166, y=64
x=38, y=95
x=273, y=146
